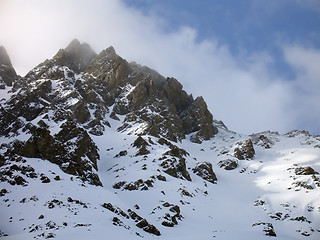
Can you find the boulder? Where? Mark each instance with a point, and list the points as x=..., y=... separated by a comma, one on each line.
x=305, y=171
x=228, y=164
x=205, y=171
x=244, y=150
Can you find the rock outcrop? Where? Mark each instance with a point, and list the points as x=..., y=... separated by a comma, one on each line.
x=7, y=72
x=244, y=150
x=204, y=170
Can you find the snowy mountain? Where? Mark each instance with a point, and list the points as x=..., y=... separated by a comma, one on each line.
x=94, y=147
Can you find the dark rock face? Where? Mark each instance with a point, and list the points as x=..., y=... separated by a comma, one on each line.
x=205, y=171
x=173, y=163
x=72, y=149
x=176, y=168
x=7, y=72
x=141, y=144
x=244, y=150
x=197, y=118
x=76, y=56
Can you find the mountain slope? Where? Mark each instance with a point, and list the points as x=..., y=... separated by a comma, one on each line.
x=94, y=146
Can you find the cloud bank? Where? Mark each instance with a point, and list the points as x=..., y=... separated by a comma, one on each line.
x=243, y=91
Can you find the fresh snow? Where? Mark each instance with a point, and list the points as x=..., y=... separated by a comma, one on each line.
x=226, y=210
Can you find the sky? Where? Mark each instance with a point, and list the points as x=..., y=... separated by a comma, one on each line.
x=256, y=63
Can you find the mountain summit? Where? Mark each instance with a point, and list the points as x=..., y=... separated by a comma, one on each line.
x=93, y=146
x=76, y=56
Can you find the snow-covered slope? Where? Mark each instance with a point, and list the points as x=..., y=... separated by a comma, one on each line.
x=89, y=151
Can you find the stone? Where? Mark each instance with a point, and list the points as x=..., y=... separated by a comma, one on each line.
x=228, y=164
x=205, y=171
x=244, y=150
x=305, y=171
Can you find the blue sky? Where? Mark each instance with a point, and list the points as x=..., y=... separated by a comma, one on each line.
x=246, y=25
x=256, y=63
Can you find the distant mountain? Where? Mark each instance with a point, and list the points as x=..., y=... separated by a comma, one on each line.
x=92, y=146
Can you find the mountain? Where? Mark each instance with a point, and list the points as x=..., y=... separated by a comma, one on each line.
x=94, y=147
x=7, y=72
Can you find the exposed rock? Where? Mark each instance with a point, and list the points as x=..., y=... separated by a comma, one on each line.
x=139, y=184
x=40, y=145
x=184, y=192
x=171, y=218
x=295, y=133
x=76, y=56
x=107, y=79
x=134, y=216
x=9, y=124
x=74, y=89
x=176, y=152
x=140, y=222
x=205, y=171
x=148, y=227
x=116, y=210
x=175, y=168
x=244, y=150
x=197, y=118
x=305, y=171
x=44, y=178
x=262, y=140
x=121, y=154
x=228, y=164
x=3, y=192
x=141, y=144
x=7, y=72
x=81, y=161
x=238, y=153
x=267, y=228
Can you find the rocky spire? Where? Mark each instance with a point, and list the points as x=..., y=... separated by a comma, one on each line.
x=76, y=56
x=7, y=72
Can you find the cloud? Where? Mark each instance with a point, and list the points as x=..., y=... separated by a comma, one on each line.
x=243, y=91
x=306, y=85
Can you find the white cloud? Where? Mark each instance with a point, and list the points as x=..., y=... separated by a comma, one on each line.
x=306, y=85
x=241, y=91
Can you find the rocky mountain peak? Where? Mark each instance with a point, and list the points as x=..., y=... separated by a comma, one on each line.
x=110, y=51
x=76, y=56
x=82, y=93
x=7, y=72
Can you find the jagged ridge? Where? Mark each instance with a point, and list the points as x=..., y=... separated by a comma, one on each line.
x=80, y=88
